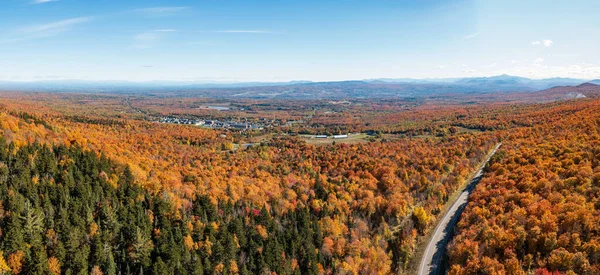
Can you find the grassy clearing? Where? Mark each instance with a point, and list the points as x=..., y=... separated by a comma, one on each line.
x=352, y=138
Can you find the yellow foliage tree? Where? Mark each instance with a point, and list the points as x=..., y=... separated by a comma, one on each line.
x=421, y=218
x=262, y=231
x=93, y=229
x=233, y=267
x=96, y=271
x=54, y=265
x=188, y=242
x=15, y=261
x=4, y=268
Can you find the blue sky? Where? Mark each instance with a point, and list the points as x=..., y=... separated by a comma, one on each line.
x=231, y=41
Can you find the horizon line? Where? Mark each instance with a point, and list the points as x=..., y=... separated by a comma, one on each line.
x=232, y=81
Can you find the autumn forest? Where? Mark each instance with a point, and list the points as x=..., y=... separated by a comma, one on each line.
x=133, y=184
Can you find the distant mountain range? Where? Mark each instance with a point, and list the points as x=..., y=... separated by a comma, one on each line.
x=371, y=88
x=565, y=92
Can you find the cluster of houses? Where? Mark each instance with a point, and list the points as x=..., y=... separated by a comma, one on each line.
x=178, y=120
x=212, y=123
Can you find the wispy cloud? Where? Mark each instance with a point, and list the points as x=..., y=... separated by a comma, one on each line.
x=470, y=36
x=45, y=30
x=166, y=30
x=441, y=67
x=541, y=70
x=61, y=25
x=545, y=43
x=202, y=43
x=148, y=39
x=247, y=31
x=161, y=11
x=35, y=2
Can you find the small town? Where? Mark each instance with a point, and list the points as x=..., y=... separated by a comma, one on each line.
x=212, y=123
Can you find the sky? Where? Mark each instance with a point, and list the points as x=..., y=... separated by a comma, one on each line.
x=318, y=40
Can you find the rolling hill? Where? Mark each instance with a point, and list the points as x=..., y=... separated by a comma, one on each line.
x=375, y=88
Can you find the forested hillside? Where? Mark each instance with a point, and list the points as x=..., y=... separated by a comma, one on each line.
x=88, y=194
x=88, y=186
x=61, y=214
x=538, y=208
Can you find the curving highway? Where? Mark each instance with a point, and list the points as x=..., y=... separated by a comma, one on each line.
x=432, y=261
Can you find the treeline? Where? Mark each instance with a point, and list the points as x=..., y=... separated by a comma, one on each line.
x=95, y=120
x=69, y=211
x=30, y=118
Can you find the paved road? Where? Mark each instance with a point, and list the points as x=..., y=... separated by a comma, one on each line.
x=431, y=263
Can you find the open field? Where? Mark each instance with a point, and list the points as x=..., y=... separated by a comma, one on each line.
x=352, y=138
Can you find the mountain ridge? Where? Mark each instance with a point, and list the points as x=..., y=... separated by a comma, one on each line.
x=367, y=88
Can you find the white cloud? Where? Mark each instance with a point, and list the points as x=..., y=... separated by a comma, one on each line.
x=54, y=26
x=44, y=30
x=470, y=36
x=202, y=43
x=492, y=65
x=166, y=30
x=440, y=67
x=43, y=1
x=540, y=70
x=148, y=39
x=246, y=31
x=161, y=11
x=545, y=42
x=538, y=61
x=146, y=36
